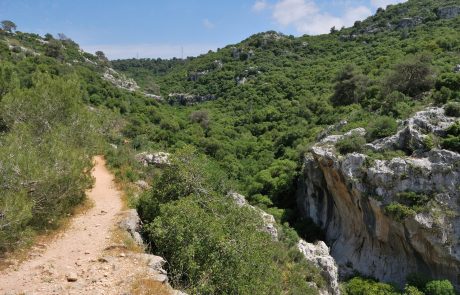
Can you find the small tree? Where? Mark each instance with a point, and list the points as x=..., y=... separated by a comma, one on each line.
x=48, y=37
x=101, y=56
x=53, y=49
x=8, y=26
x=350, y=86
x=63, y=37
x=411, y=77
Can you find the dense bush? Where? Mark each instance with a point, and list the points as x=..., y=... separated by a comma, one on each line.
x=350, y=86
x=381, y=127
x=443, y=287
x=452, y=109
x=399, y=211
x=412, y=76
x=452, y=139
x=351, y=144
x=361, y=286
x=213, y=246
x=43, y=156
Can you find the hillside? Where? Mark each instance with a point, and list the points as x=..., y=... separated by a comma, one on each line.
x=255, y=140
x=256, y=107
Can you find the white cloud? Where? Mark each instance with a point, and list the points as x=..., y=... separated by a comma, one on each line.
x=353, y=14
x=260, y=5
x=306, y=16
x=385, y=3
x=288, y=12
x=115, y=51
x=208, y=24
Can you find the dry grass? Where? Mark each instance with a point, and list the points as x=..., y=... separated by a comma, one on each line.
x=147, y=286
x=121, y=237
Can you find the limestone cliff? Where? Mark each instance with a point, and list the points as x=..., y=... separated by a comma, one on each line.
x=347, y=195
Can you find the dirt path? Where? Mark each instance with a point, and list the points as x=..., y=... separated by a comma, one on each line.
x=80, y=253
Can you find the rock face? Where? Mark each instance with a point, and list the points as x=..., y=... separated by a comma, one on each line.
x=318, y=254
x=132, y=224
x=415, y=131
x=158, y=159
x=120, y=80
x=347, y=196
x=407, y=23
x=457, y=69
x=449, y=12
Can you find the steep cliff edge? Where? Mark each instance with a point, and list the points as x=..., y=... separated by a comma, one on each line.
x=350, y=197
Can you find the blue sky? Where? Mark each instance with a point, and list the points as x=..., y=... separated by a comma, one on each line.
x=143, y=28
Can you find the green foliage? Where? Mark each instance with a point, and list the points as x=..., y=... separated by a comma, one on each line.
x=448, y=80
x=452, y=109
x=381, y=127
x=8, y=26
x=212, y=245
x=441, y=287
x=412, y=77
x=351, y=144
x=43, y=156
x=411, y=290
x=416, y=285
x=399, y=211
x=452, y=138
x=350, y=86
x=415, y=201
x=360, y=286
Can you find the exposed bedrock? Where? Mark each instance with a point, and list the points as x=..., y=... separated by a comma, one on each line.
x=347, y=194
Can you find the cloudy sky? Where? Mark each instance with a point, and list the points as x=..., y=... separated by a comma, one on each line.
x=168, y=28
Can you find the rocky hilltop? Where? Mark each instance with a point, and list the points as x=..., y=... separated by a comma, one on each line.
x=362, y=203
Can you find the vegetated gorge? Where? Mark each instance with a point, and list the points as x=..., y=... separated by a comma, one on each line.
x=322, y=164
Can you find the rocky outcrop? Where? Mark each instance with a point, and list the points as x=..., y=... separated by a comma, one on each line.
x=457, y=69
x=159, y=159
x=415, y=131
x=448, y=12
x=347, y=196
x=318, y=254
x=195, y=76
x=119, y=80
x=408, y=22
x=269, y=220
x=188, y=99
x=132, y=224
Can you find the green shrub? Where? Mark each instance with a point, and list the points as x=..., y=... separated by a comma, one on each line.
x=441, y=287
x=43, y=156
x=442, y=96
x=361, y=286
x=209, y=252
x=212, y=245
x=399, y=211
x=350, y=86
x=452, y=139
x=452, y=109
x=448, y=80
x=416, y=201
x=412, y=76
x=381, y=127
x=351, y=144
x=411, y=290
